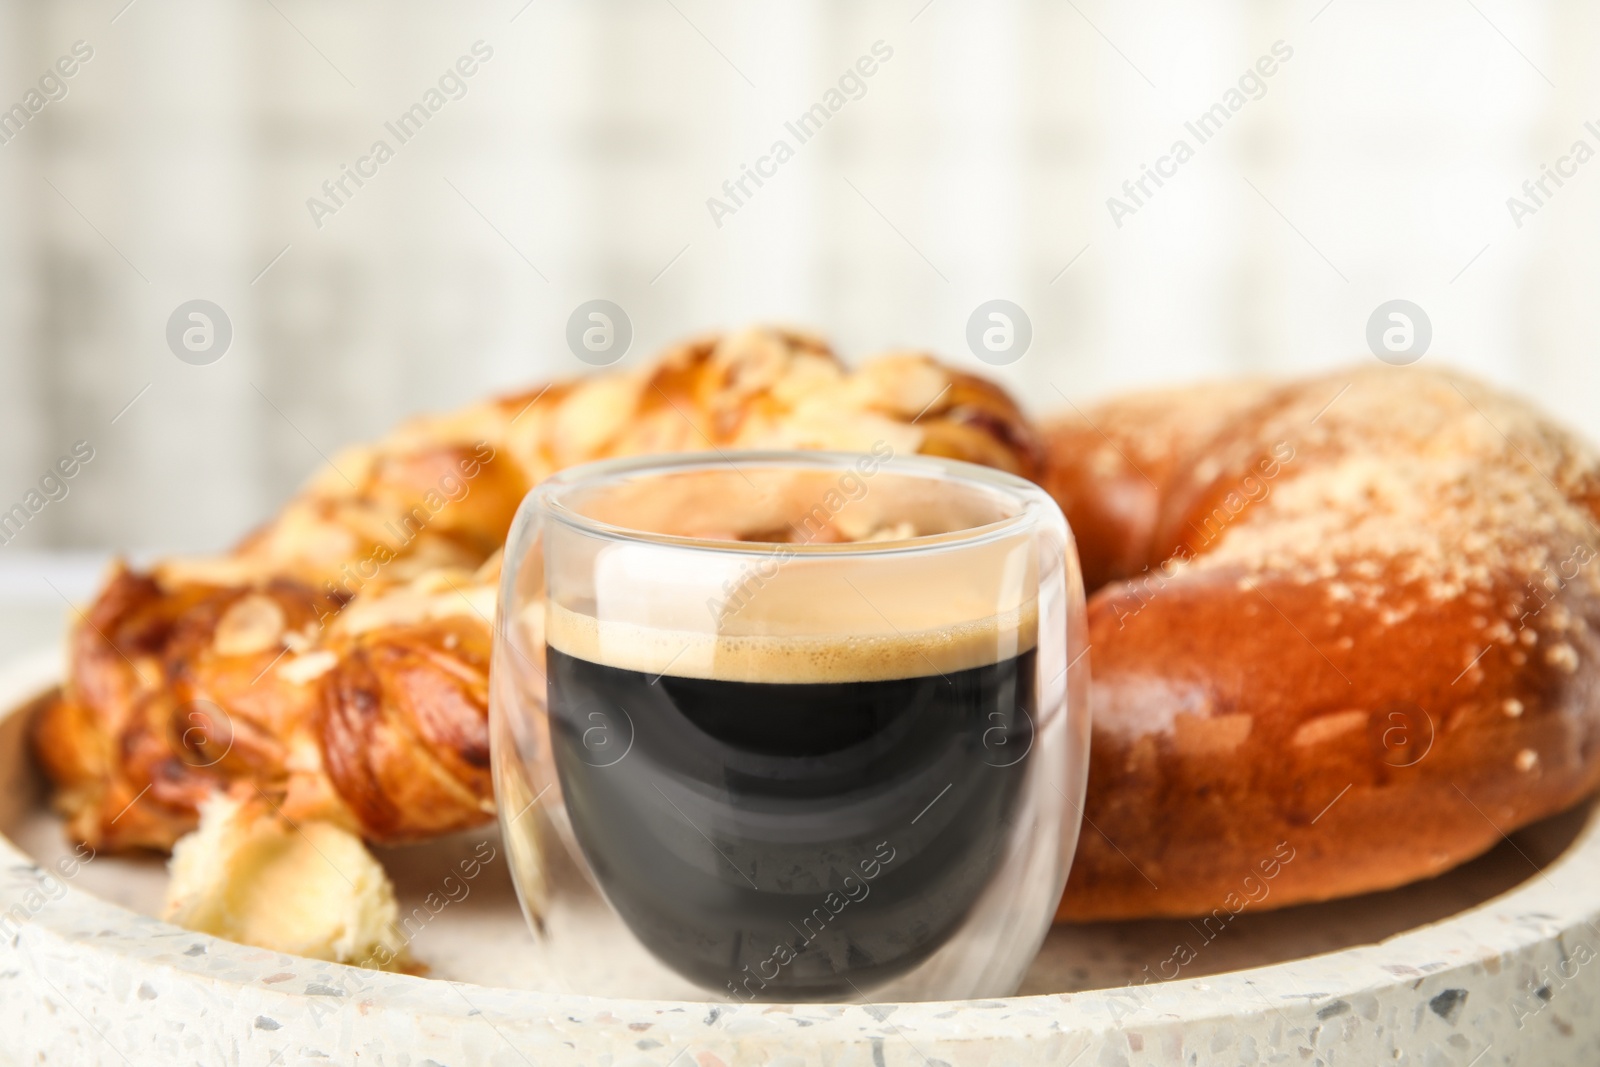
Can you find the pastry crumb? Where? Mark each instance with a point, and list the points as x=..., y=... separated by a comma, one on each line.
x=248, y=875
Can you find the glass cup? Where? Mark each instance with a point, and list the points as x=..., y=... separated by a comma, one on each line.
x=815, y=724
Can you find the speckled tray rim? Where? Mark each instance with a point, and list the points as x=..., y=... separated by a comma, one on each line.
x=110, y=977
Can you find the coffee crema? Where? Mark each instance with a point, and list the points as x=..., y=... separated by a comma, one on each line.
x=857, y=657
x=791, y=817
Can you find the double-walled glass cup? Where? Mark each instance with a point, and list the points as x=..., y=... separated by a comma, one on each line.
x=814, y=724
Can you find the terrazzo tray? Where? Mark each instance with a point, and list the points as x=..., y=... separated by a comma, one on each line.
x=1493, y=963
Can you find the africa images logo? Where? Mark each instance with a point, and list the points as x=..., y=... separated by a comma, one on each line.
x=852, y=85
x=1203, y=128
x=52, y=87
x=452, y=85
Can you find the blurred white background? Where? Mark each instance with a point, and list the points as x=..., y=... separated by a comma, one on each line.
x=977, y=164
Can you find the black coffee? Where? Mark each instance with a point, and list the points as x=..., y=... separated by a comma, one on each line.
x=797, y=840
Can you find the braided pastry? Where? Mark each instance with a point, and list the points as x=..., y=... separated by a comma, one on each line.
x=336, y=662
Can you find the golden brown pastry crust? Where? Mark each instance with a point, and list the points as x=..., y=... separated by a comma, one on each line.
x=403, y=731
x=1342, y=630
x=336, y=662
x=1360, y=632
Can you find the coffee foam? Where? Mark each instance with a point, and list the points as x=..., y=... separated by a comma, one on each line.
x=785, y=658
